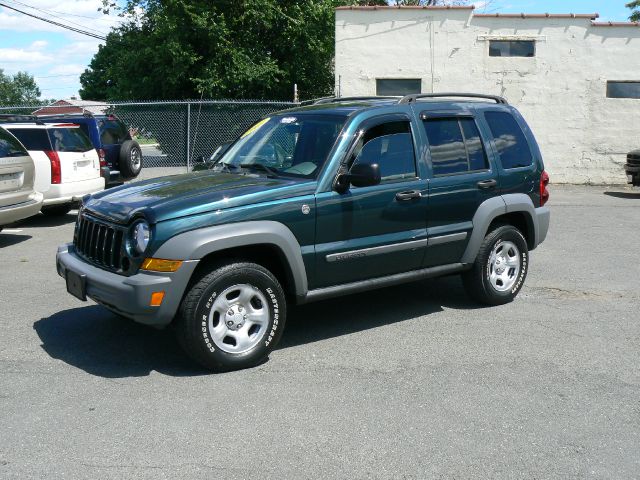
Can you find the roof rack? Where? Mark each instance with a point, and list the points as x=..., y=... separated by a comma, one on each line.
x=413, y=97
x=85, y=113
x=321, y=101
x=17, y=118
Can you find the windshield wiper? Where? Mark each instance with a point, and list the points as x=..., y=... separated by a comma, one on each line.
x=260, y=166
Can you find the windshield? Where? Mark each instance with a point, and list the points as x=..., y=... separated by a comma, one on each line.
x=296, y=145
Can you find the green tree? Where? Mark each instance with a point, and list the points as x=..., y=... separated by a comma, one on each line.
x=18, y=89
x=635, y=10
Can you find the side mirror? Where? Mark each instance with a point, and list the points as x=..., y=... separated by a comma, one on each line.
x=360, y=175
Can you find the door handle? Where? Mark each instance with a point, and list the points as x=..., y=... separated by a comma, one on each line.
x=487, y=183
x=408, y=195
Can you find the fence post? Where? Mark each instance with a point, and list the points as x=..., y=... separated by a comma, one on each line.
x=188, y=136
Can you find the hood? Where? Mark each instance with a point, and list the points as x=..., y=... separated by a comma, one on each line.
x=176, y=196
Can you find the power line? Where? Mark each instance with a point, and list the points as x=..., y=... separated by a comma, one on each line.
x=48, y=12
x=68, y=27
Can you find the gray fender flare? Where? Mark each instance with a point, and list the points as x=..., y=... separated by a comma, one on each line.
x=196, y=244
x=492, y=208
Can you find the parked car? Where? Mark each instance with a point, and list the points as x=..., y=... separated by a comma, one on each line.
x=67, y=167
x=632, y=168
x=111, y=137
x=314, y=202
x=18, y=200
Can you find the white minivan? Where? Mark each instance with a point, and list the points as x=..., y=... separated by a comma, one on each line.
x=18, y=200
x=67, y=165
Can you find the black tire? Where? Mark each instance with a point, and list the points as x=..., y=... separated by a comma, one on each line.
x=477, y=281
x=130, y=159
x=56, y=210
x=199, y=313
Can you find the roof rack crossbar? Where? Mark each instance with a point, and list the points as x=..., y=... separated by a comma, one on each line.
x=19, y=118
x=415, y=96
x=324, y=100
x=85, y=113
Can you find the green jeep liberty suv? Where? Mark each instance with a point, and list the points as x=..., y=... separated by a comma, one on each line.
x=345, y=195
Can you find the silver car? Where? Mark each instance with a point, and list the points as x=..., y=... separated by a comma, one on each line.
x=18, y=199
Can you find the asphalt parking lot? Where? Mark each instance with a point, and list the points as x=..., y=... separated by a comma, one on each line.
x=408, y=382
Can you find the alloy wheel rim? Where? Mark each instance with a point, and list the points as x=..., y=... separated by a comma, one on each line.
x=239, y=318
x=504, y=265
x=135, y=158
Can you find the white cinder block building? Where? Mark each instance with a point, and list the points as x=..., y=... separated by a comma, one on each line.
x=576, y=80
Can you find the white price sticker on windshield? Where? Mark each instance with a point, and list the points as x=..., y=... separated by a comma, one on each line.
x=288, y=120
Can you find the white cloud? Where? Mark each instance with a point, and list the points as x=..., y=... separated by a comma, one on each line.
x=38, y=45
x=67, y=69
x=21, y=55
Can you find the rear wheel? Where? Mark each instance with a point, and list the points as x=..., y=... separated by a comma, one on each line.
x=56, y=210
x=130, y=159
x=500, y=268
x=232, y=317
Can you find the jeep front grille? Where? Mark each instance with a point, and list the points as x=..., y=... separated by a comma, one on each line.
x=100, y=243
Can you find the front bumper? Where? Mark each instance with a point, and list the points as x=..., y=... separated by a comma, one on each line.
x=129, y=296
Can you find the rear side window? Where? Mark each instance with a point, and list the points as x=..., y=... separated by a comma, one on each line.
x=112, y=132
x=390, y=145
x=455, y=145
x=9, y=146
x=69, y=140
x=509, y=140
x=33, y=138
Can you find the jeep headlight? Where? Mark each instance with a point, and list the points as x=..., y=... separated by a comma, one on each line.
x=140, y=236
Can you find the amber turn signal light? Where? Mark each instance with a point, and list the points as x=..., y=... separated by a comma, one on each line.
x=160, y=265
x=156, y=299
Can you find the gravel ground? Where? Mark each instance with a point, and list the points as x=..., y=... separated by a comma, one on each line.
x=407, y=382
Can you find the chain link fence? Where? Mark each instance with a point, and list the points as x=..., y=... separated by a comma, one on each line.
x=172, y=135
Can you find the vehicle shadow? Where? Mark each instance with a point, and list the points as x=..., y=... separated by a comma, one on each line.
x=9, y=239
x=627, y=195
x=103, y=344
x=354, y=313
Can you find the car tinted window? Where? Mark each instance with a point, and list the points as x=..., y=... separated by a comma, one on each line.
x=455, y=146
x=112, y=131
x=9, y=146
x=68, y=139
x=390, y=145
x=509, y=140
x=32, y=138
x=475, y=147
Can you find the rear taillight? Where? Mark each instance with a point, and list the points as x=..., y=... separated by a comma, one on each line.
x=56, y=173
x=544, y=193
x=103, y=158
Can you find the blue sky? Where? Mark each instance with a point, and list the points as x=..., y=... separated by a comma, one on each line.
x=56, y=57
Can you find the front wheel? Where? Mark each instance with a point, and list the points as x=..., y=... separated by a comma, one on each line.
x=232, y=317
x=500, y=268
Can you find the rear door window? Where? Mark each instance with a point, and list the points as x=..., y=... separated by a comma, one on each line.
x=455, y=146
x=112, y=132
x=509, y=140
x=66, y=139
x=34, y=139
x=9, y=146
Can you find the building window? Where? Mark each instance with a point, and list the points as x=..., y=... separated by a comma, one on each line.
x=623, y=89
x=398, y=86
x=455, y=146
x=512, y=48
